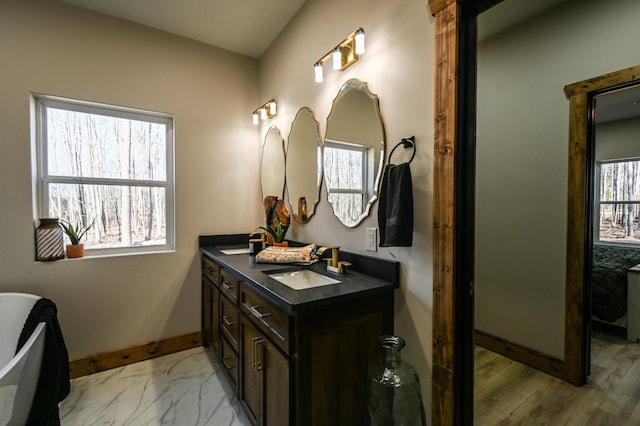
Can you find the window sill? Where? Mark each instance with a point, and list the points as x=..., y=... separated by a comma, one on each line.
x=89, y=255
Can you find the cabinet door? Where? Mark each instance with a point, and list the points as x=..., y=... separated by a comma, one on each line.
x=265, y=378
x=210, y=315
x=251, y=382
x=276, y=387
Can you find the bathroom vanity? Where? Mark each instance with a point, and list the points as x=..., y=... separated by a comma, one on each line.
x=295, y=357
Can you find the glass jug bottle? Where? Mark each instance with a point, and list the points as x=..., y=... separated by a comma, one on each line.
x=393, y=394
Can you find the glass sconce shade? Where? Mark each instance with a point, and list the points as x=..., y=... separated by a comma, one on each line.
x=317, y=70
x=337, y=59
x=359, y=41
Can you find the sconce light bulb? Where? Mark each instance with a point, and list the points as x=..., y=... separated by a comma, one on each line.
x=273, y=108
x=263, y=113
x=337, y=59
x=317, y=70
x=255, y=118
x=360, y=41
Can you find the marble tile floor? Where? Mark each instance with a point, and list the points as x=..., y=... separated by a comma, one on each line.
x=177, y=389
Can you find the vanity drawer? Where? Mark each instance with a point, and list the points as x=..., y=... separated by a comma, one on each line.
x=229, y=321
x=211, y=270
x=229, y=361
x=229, y=286
x=271, y=320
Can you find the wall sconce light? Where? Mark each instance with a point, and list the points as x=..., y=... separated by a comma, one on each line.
x=343, y=55
x=267, y=110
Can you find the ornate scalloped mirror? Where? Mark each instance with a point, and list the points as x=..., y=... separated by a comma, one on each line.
x=304, y=165
x=353, y=152
x=272, y=164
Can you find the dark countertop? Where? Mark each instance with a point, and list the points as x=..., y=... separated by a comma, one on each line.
x=352, y=284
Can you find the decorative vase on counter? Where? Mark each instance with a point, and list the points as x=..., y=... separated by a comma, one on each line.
x=49, y=240
x=393, y=388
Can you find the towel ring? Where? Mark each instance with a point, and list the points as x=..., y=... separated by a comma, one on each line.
x=409, y=142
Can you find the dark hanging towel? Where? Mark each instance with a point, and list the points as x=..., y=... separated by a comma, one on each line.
x=53, y=384
x=395, y=209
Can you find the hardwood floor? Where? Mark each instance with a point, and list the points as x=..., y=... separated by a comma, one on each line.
x=509, y=393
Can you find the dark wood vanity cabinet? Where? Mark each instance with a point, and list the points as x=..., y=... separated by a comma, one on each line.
x=264, y=388
x=303, y=368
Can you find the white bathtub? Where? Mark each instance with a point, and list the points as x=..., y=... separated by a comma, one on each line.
x=18, y=372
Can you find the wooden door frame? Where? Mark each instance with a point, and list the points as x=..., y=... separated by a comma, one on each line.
x=452, y=382
x=580, y=217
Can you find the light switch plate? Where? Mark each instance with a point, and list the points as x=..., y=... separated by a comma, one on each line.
x=371, y=239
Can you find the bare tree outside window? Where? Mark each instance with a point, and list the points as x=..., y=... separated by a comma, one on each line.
x=110, y=165
x=619, y=201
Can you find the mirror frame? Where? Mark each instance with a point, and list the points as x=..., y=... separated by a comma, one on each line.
x=280, y=194
x=318, y=175
x=356, y=84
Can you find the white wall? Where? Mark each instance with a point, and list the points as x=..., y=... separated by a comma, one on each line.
x=522, y=160
x=49, y=47
x=398, y=66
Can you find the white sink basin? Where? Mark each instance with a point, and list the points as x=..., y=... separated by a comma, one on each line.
x=302, y=279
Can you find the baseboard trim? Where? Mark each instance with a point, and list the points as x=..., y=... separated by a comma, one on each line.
x=521, y=354
x=108, y=360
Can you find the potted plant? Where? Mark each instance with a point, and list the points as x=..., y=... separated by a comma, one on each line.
x=278, y=233
x=75, y=234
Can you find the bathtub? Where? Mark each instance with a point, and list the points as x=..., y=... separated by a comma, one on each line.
x=18, y=372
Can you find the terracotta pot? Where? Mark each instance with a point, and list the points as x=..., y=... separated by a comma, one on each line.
x=281, y=244
x=74, y=251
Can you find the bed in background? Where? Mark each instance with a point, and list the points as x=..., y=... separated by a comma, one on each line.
x=615, y=287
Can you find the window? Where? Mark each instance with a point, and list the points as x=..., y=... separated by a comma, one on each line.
x=618, y=202
x=109, y=164
x=346, y=174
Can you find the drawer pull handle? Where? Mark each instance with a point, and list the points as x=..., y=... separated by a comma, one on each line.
x=254, y=310
x=228, y=286
x=228, y=366
x=257, y=361
x=227, y=321
x=208, y=269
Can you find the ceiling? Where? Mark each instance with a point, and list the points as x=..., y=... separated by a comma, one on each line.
x=618, y=105
x=247, y=27
x=509, y=13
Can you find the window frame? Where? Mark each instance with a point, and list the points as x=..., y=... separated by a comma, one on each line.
x=42, y=178
x=598, y=203
x=365, y=168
